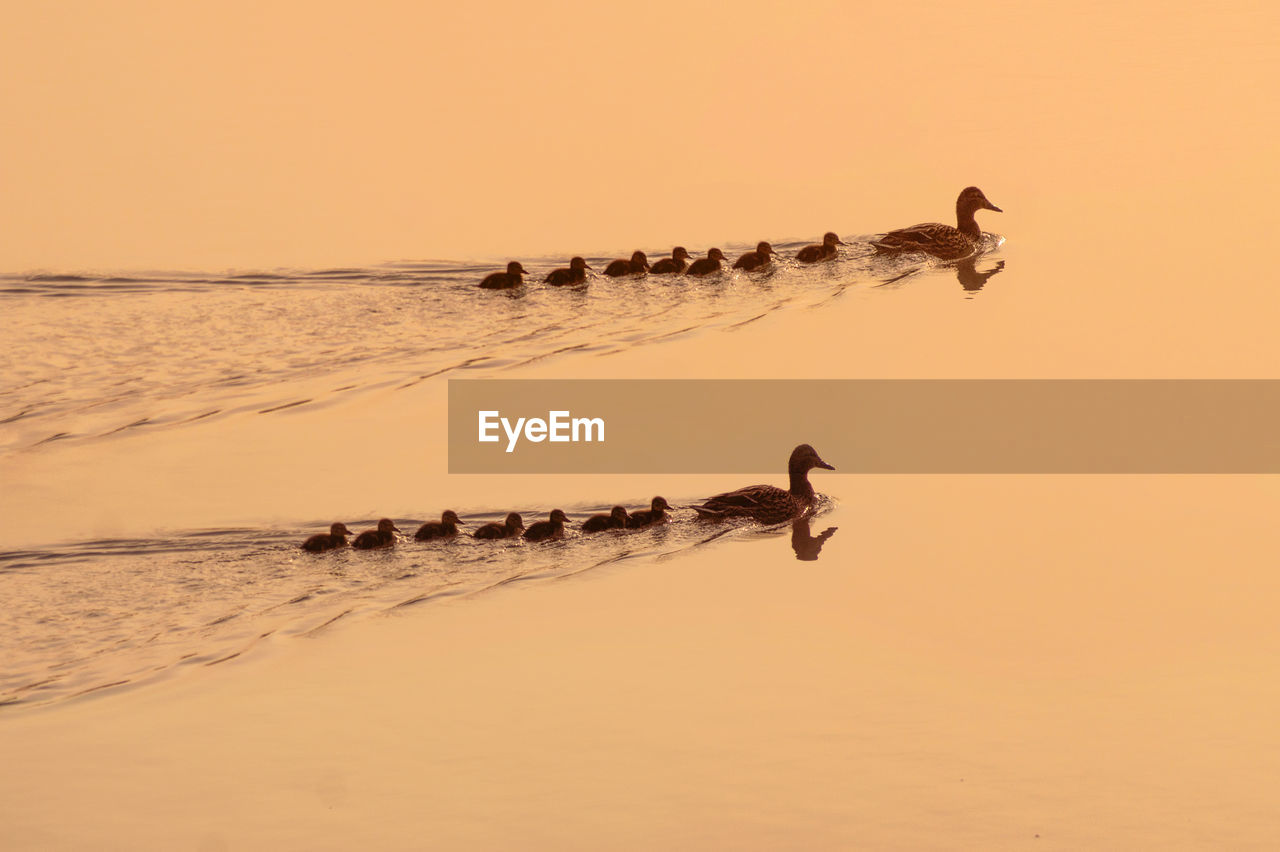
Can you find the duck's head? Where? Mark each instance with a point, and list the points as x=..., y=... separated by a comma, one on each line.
x=386, y=525
x=971, y=199
x=450, y=517
x=639, y=257
x=339, y=529
x=831, y=239
x=715, y=254
x=804, y=458
x=558, y=516
x=618, y=513
x=679, y=253
x=514, y=268
x=763, y=248
x=579, y=264
x=514, y=521
x=659, y=504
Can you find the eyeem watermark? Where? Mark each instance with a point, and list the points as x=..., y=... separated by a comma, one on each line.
x=560, y=427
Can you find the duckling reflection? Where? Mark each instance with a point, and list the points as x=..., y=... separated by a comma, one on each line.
x=807, y=545
x=970, y=278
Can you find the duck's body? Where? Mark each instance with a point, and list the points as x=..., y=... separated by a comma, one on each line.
x=575, y=274
x=770, y=504
x=320, y=542
x=446, y=527
x=383, y=536
x=615, y=520
x=824, y=250
x=762, y=256
x=513, y=277
x=655, y=514
x=707, y=265
x=673, y=265
x=544, y=530
x=512, y=527
x=637, y=265
x=942, y=241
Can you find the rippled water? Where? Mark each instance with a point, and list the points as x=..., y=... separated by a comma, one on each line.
x=116, y=358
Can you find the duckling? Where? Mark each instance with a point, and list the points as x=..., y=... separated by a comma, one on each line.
x=543, y=530
x=770, y=504
x=656, y=513
x=755, y=259
x=942, y=241
x=383, y=536
x=512, y=527
x=673, y=265
x=575, y=274
x=503, y=280
x=615, y=520
x=821, y=251
x=637, y=265
x=320, y=542
x=707, y=265
x=446, y=527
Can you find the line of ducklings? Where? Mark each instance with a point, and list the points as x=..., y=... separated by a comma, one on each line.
x=932, y=238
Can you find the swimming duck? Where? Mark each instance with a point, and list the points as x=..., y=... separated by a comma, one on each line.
x=656, y=513
x=707, y=265
x=637, y=265
x=446, y=527
x=383, y=536
x=512, y=527
x=503, y=280
x=755, y=259
x=543, y=530
x=575, y=274
x=671, y=265
x=940, y=240
x=615, y=520
x=768, y=503
x=334, y=538
x=821, y=251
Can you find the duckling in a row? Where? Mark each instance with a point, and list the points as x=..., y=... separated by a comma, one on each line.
x=762, y=256
x=510, y=528
x=637, y=265
x=673, y=265
x=575, y=274
x=615, y=520
x=770, y=504
x=549, y=529
x=383, y=536
x=824, y=250
x=320, y=542
x=942, y=241
x=513, y=277
x=707, y=265
x=446, y=527
x=656, y=513
x=618, y=519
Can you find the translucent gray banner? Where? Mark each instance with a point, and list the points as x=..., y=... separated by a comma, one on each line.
x=865, y=426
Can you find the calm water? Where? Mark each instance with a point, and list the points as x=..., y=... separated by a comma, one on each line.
x=97, y=360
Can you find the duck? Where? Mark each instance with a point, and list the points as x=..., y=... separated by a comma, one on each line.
x=707, y=265
x=656, y=513
x=575, y=274
x=383, y=536
x=770, y=504
x=510, y=528
x=821, y=251
x=543, y=530
x=502, y=280
x=755, y=259
x=615, y=520
x=637, y=265
x=446, y=527
x=320, y=542
x=942, y=241
x=673, y=265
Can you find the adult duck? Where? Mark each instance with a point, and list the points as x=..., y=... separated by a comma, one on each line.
x=655, y=514
x=615, y=520
x=942, y=241
x=755, y=259
x=770, y=504
x=824, y=250
x=320, y=542
x=673, y=265
x=575, y=274
x=383, y=536
x=446, y=527
x=543, y=530
x=513, y=277
x=637, y=265
x=510, y=528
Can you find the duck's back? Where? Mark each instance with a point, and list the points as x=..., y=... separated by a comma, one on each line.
x=500, y=281
x=766, y=503
x=666, y=266
x=935, y=238
x=750, y=260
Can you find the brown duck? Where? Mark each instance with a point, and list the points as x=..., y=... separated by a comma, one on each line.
x=656, y=513
x=768, y=503
x=383, y=536
x=320, y=542
x=824, y=250
x=543, y=530
x=637, y=265
x=615, y=520
x=575, y=274
x=502, y=280
x=512, y=527
x=446, y=527
x=707, y=265
x=671, y=265
x=755, y=259
x=940, y=240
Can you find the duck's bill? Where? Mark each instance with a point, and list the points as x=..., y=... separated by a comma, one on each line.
x=825, y=466
x=991, y=206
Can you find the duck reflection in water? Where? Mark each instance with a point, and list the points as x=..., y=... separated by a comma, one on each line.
x=969, y=276
x=807, y=545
